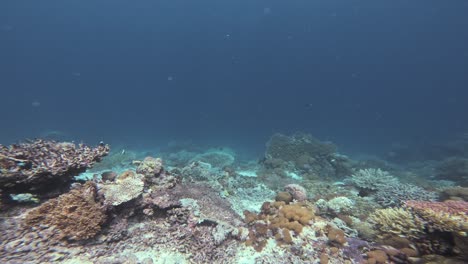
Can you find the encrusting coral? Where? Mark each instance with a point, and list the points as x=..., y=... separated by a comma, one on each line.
x=128, y=185
x=75, y=215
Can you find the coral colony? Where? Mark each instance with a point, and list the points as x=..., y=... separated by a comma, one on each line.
x=303, y=202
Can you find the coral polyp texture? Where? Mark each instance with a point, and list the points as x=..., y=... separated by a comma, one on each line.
x=35, y=165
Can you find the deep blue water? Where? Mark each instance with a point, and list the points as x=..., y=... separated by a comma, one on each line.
x=364, y=74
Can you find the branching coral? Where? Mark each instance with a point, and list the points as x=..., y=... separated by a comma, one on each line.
x=397, y=221
x=448, y=216
x=76, y=215
x=387, y=189
x=41, y=164
x=129, y=185
x=372, y=179
x=396, y=194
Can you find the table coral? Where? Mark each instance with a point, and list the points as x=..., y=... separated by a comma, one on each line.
x=76, y=215
x=42, y=164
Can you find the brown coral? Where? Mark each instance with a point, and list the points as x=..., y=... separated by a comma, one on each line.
x=279, y=220
x=76, y=215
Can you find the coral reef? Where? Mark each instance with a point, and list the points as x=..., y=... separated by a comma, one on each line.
x=75, y=215
x=40, y=165
x=209, y=207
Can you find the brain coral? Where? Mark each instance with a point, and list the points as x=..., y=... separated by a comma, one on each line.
x=128, y=186
x=76, y=215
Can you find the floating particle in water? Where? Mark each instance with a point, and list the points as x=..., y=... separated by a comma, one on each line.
x=170, y=78
x=266, y=11
x=76, y=74
x=36, y=103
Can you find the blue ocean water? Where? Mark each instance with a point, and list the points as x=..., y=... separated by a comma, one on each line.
x=364, y=74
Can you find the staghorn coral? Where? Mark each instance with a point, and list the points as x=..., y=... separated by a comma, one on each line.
x=41, y=164
x=397, y=221
x=448, y=216
x=76, y=215
x=128, y=186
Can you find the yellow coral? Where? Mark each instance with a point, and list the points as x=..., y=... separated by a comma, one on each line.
x=397, y=221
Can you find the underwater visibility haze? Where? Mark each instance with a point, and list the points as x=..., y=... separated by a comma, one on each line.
x=217, y=131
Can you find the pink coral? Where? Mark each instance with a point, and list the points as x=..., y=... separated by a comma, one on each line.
x=450, y=216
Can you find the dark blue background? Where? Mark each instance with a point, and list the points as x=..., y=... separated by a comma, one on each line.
x=364, y=74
